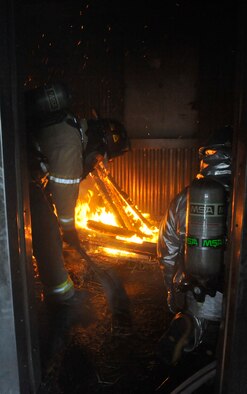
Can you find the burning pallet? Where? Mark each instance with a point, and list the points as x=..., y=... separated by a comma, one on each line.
x=132, y=231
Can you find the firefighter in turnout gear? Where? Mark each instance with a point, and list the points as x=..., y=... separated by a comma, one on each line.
x=62, y=151
x=191, y=249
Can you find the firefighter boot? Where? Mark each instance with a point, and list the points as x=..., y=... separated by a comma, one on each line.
x=177, y=337
x=69, y=312
x=62, y=317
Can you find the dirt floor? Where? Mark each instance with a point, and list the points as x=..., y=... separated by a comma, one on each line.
x=113, y=349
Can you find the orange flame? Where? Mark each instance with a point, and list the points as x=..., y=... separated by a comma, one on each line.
x=83, y=213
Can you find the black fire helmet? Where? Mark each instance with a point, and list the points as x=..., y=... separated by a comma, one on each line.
x=47, y=104
x=218, y=147
x=216, y=156
x=107, y=136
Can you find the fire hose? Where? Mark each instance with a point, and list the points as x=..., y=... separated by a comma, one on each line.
x=115, y=292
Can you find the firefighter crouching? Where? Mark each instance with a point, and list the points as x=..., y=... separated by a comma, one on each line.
x=62, y=151
x=191, y=247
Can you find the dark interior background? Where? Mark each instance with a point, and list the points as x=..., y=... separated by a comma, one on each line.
x=166, y=69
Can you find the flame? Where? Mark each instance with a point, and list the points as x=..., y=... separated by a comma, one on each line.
x=118, y=252
x=133, y=239
x=84, y=212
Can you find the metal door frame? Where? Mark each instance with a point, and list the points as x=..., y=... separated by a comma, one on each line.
x=19, y=353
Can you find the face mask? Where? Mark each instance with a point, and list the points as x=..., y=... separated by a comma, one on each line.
x=216, y=162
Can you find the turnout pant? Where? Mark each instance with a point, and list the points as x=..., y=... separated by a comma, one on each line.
x=46, y=238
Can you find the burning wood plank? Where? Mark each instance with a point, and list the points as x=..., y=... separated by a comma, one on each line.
x=132, y=218
x=107, y=241
x=108, y=200
x=112, y=202
x=129, y=230
x=113, y=230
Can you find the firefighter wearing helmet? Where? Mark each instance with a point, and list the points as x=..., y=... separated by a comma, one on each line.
x=191, y=246
x=62, y=151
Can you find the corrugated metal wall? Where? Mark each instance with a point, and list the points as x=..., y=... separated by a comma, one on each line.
x=154, y=171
